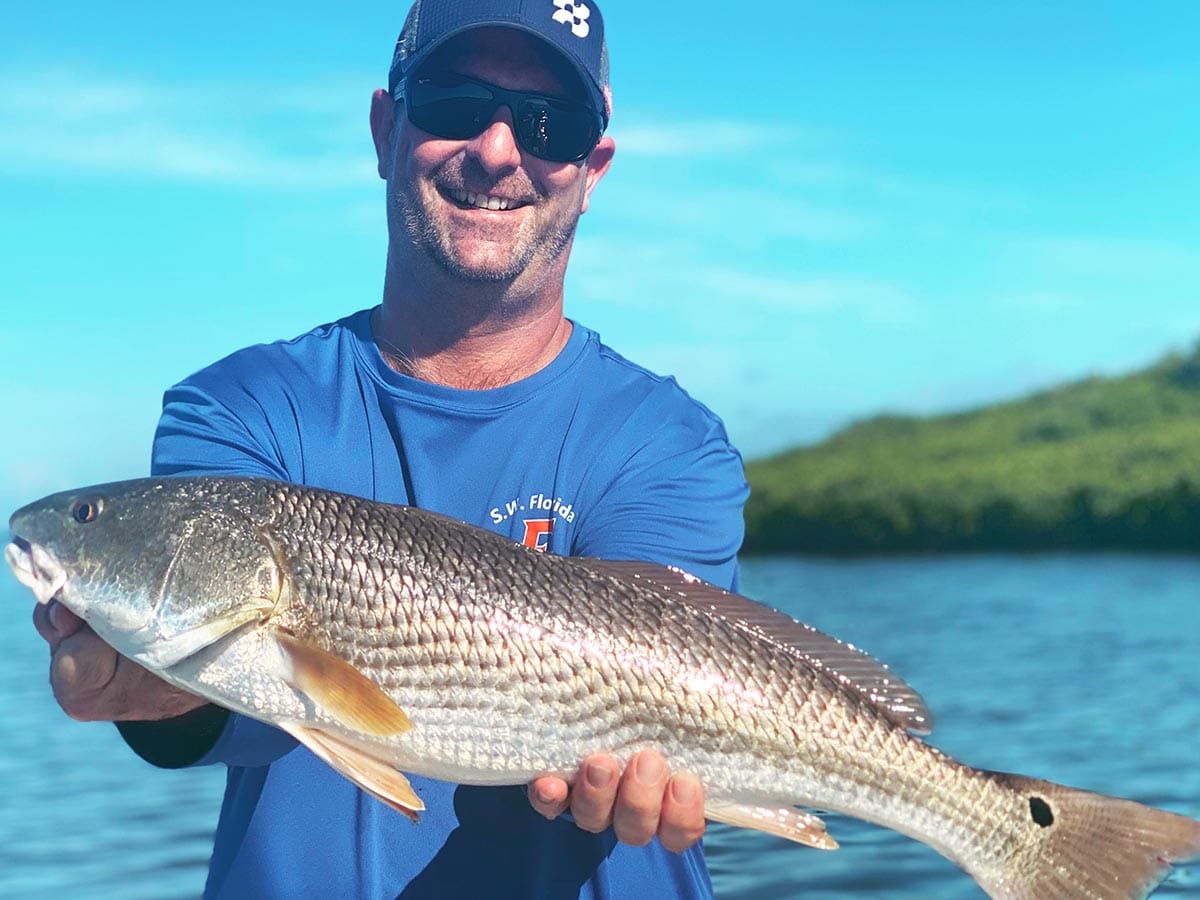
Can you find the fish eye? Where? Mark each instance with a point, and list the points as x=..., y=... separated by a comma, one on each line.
x=87, y=510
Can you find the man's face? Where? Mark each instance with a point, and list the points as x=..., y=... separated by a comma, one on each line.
x=443, y=195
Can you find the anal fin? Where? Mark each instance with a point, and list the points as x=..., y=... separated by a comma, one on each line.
x=783, y=821
x=374, y=776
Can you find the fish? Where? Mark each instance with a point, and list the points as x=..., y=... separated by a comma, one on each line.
x=389, y=639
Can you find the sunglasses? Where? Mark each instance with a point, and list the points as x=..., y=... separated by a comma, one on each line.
x=459, y=108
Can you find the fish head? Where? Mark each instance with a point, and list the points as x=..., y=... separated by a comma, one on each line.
x=159, y=568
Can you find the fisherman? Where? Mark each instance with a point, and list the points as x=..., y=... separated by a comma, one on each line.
x=468, y=392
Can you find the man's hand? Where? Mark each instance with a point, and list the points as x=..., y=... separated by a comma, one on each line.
x=644, y=801
x=94, y=683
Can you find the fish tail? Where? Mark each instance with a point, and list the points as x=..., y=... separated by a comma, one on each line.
x=1082, y=844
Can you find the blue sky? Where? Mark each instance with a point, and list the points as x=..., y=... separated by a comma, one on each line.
x=817, y=211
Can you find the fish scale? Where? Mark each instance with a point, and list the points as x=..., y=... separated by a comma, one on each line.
x=613, y=615
x=387, y=638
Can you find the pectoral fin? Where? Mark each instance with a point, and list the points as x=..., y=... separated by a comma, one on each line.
x=785, y=822
x=375, y=777
x=340, y=689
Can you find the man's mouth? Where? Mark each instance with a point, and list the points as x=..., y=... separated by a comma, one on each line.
x=472, y=200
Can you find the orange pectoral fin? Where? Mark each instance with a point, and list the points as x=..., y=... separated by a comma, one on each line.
x=375, y=777
x=341, y=690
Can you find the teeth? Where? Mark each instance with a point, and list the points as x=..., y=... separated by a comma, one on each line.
x=481, y=201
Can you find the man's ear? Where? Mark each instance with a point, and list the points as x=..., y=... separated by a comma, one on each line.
x=383, y=118
x=598, y=162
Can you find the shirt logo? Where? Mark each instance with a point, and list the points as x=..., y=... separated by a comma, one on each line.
x=543, y=510
x=537, y=533
x=573, y=14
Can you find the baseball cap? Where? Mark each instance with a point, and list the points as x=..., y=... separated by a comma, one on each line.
x=574, y=29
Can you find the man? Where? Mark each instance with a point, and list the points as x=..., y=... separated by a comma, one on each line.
x=466, y=391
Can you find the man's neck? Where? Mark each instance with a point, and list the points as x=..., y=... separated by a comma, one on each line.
x=423, y=338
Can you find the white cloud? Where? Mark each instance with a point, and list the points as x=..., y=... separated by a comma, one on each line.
x=717, y=137
x=915, y=193
x=1041, y=301
x=748, y=216
x=65, y=122
x=1101, y=254
x=759, y=293
x=653, y=275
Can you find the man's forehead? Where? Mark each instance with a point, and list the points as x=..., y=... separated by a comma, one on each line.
x=522, y=56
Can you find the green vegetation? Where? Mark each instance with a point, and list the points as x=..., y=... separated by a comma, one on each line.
x=1104, y=463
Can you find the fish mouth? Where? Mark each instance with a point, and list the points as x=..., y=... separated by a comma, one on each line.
x=36, y=568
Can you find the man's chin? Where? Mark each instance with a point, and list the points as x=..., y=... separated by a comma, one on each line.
x=480, y=267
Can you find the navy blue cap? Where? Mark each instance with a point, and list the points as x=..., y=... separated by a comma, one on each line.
x=572, y=27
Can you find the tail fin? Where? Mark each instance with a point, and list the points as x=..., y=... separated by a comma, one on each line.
x=1089, y=845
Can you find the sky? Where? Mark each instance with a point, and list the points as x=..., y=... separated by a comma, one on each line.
x=817, y=211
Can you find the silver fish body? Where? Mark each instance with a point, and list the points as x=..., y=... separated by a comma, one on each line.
x=389, y=638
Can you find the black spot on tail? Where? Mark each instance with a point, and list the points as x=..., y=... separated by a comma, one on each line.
x=1041, y=812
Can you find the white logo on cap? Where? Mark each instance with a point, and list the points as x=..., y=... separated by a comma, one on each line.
x=573, y=14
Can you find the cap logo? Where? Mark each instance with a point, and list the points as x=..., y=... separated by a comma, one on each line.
x=573, y=14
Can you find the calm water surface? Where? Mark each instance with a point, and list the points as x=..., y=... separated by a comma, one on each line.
x=1078, y=669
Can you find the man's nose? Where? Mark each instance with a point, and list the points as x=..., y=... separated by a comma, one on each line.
x=496, y=146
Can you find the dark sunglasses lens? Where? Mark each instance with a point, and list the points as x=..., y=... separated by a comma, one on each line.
x=556, y=132
x=454, y=111
x=459, y=109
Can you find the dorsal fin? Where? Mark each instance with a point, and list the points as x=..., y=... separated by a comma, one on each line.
x=852, y=667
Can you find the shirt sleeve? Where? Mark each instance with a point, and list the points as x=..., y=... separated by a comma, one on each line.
x=676, y=499
x=199, y=434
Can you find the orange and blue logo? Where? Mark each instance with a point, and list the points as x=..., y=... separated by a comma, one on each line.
x=536, y=531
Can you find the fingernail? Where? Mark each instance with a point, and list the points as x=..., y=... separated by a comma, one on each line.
x=544, y=796
x=683, y=790
x=600, y=777
x=649, y=768
x=54, y=614
x=66, y=668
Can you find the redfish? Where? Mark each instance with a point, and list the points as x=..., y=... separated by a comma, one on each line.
x=389, y=639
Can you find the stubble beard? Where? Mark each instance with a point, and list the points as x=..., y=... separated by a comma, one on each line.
x=432, y=234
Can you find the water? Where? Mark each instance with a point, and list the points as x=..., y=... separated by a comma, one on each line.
x=1078, y=669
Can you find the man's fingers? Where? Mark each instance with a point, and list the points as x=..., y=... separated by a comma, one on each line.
x=93, y=683
x=642, y=802
x=65, y=621
x=595, y=792
x=682, y=821
x=54, y=622
x=41, y=621
x=549, y=795
x=80, y=670
x=640, y=798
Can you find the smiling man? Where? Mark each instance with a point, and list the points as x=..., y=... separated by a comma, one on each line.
x=466, y=391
